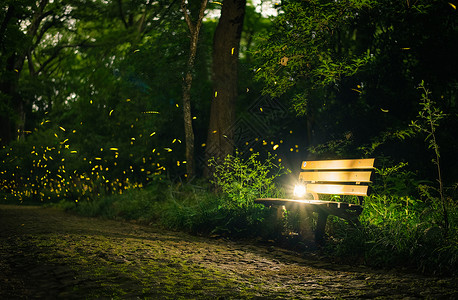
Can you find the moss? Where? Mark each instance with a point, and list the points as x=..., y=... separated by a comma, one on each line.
x=56, y=255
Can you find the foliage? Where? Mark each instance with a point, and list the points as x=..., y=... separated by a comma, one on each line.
x=395, y=180
x=399, y=231
x=177, y=206
x=302, y=49
x=242, y=181
x=428, y=123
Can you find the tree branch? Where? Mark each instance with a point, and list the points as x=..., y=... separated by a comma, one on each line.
x=187, y=17
x=57, y=50
x=45, y=28
x=203, y=6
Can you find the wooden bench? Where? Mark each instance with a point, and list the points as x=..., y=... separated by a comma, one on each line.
x=327, y=177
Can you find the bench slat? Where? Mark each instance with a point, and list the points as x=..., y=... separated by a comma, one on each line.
x=337, y=189
x=367, y=163
x=354, y=176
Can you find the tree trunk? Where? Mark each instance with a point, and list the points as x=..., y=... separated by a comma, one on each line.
x=226, y=42
x=187, y=83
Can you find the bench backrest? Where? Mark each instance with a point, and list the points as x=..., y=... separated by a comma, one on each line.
x=337, y=177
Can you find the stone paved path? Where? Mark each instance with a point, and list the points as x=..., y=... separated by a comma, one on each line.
x=48, y=254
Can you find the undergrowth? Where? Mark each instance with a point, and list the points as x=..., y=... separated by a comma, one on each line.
x=398, y=232
x=401, y=224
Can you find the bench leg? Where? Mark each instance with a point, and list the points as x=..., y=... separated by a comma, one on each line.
x=305, y=226
x=279, y=218
x=320, y=226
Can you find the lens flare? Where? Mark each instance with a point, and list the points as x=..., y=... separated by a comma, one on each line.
x=299, y=190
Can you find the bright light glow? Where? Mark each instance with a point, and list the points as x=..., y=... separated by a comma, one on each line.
x=299, y=190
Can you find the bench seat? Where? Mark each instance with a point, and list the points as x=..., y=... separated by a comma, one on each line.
x=330, y=204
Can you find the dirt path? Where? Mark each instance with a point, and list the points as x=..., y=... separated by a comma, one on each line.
x=46, y=253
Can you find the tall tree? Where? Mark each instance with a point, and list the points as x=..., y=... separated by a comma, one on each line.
x=36, y=38
x=194, y=29
x=226, y=43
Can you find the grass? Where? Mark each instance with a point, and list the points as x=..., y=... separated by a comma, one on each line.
x=399, y=231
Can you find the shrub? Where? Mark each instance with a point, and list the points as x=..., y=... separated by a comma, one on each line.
x=242, y=181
